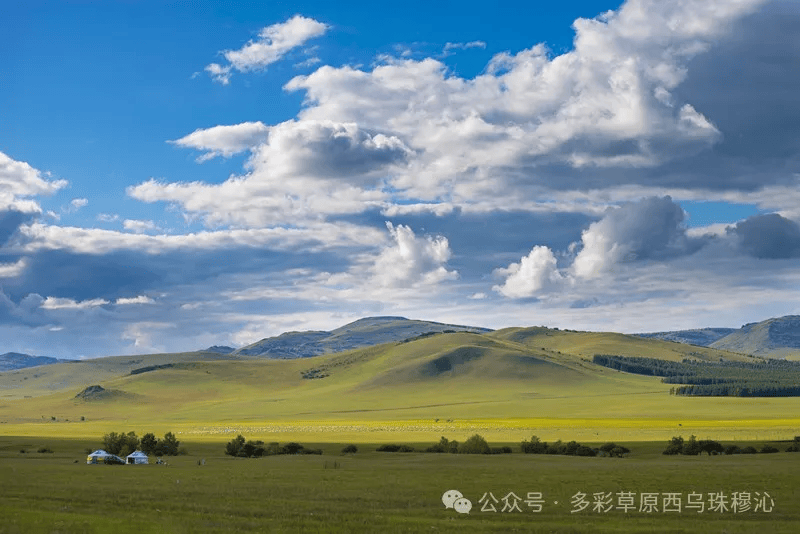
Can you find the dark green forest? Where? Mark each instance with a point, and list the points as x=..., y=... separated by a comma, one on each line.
x=759, y=378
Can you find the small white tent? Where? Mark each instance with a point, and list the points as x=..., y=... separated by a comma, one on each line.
x=137, y=457
x=102, y=457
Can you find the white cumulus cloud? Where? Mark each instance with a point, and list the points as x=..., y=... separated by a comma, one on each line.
x=225, y=140
x=412, y=260
x=535, y=273
x=304, y=170
x=19, y=180
x=273, y=42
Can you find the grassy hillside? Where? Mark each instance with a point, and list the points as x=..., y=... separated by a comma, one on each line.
x=774, y=338
x=74, y=376
x=505, y=384
x=587, y=344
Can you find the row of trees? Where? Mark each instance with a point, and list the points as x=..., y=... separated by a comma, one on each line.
x=123, y=444
x=242, y=448
x=693, y=447
x=740, y=389
x=760, y=378
x=475, y=444
x=572, y=448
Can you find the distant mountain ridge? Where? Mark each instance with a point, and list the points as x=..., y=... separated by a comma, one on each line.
x=220, y=349
x=11, y=361
x=702, y=337
x=364, y=332
x=778, y=337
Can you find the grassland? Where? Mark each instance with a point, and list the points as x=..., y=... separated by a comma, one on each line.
x=376, y=492
x=507, y=386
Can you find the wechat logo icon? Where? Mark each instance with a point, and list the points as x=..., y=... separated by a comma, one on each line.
x=455, y=500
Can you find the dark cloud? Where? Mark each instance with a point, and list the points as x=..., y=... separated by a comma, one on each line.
x=769, y=236
x=747, y=86
x=10, y=221
x=65, y=274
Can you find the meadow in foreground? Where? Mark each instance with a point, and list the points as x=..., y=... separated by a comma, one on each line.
x=387, y=492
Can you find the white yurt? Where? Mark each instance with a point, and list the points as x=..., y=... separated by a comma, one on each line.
x=102, y=457
x=136, y=457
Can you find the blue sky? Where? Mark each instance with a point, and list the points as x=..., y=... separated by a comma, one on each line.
x=174, y=176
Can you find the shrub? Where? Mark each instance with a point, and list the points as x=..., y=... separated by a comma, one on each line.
x=475, y=445
x=748, y=450
x=711, y=447
x=618, y=451
x=675, y=446
x=583, y=450
x=121, y=444
x=235, y=445
x=44, y=450
x=444, y=445
x=795, y=447
x=291, y=448
x=167, y=446
x=253, y=448
x=148, y=443
x=534, y=446
x=768, y=449
x=350, y=449
x=501, y=450
x=732, y=449
x=388, y=448
x=691, y=447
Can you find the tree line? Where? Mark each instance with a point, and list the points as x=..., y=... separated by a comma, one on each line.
x=693, y=447
x=242, y=448
x=572, y=448
x=761, y=378
x=123, y=444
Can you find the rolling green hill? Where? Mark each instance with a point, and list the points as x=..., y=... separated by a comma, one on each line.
x=778, y=337
x=774, y=338
x=500, y=383
x=15, y=360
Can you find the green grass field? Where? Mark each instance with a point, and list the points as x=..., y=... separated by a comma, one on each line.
x=506, y=386
x=381, y=492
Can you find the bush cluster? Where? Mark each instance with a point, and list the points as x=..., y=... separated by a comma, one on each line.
x=795, y=446
x=395, y=448
x=123, y=444
x=473, y=445
x=242, y=448
x=572, y=448
x=693, y=447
